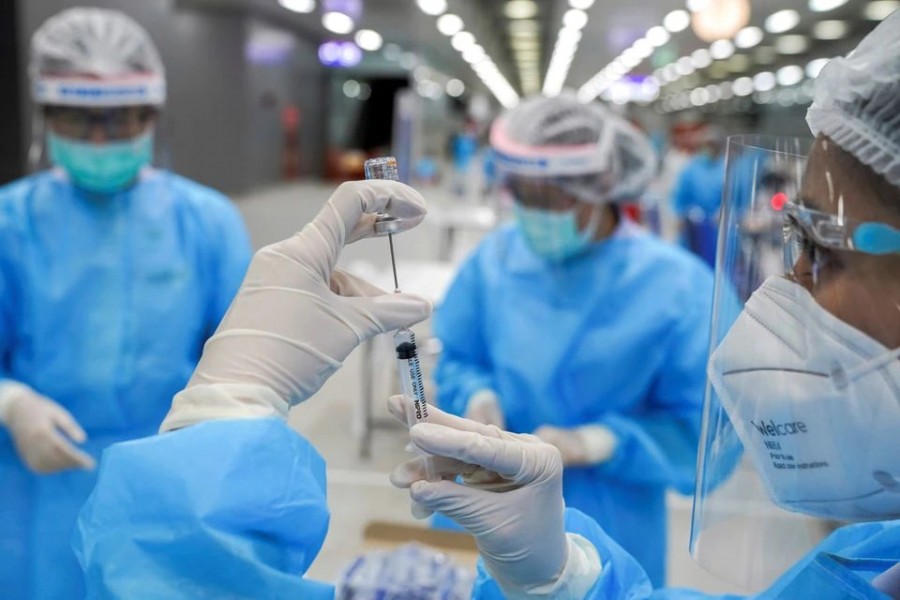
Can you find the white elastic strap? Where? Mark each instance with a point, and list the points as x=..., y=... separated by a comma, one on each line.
x=582, y=569
x=599, y=443
x=127, y=91
x=220, y=401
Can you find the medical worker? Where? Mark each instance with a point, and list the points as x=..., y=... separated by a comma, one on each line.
x=112, y=276
x=803, y=410
x=698, y=196
x=577, y=325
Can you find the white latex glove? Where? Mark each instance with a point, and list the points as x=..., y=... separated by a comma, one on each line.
x=484, y=407
x=520, y=530
x=296, y=318
x=580, y=446
x=42, y=430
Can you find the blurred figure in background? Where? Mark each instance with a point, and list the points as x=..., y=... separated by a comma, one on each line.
x=698, y=195
x=579, y=326
x=112, y=277
x=464, y=148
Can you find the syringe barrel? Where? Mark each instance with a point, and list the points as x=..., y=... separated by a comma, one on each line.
x=411, y=376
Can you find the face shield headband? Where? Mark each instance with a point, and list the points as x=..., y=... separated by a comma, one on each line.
x=86, y=92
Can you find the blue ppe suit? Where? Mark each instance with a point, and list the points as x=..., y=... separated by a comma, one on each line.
x=105, y=304
x=839, y=568
x=237, y=509
x=223, y=509
x=697, y=198
x=617, y=337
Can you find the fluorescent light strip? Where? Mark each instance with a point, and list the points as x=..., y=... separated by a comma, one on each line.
x=567, y=41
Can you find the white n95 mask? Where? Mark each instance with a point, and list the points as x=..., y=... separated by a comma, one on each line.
x=816, y=404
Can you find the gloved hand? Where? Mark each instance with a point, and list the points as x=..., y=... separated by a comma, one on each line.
x=42, y=430
x=295, y=317
x=580, y=446
x=484, y=407
x=520, y=530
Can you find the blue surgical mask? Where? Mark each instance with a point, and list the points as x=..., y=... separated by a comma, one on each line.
x=101, y=168
x=554, y=235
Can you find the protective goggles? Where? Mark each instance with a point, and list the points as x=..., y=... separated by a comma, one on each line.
x=807, y=230
x=116, y=123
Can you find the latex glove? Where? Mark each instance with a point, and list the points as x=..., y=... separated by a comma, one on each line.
x=520, y=530
x=295, y=318
x=580, y=446
x=484, y=407
x=42, y=430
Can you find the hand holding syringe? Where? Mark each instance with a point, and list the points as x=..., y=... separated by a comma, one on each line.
x=404, y=340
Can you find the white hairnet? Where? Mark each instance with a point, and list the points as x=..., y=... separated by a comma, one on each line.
x=857, y=101
x=592, y=153
x=95, y=57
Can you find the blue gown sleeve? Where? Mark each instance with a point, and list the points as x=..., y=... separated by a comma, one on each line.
x=223, y=509
x=464, y=367
x=8, y=291
x=660, y=444
x=681, y=196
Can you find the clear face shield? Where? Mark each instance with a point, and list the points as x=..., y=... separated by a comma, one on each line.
x=802, y=414
x=101, y=134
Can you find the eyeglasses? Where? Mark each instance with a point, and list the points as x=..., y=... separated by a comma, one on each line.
x=116, y=123
x=810, y=233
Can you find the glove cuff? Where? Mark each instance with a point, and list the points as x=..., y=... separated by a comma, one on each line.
x=9, y=390
x=582, y=569
x=221, y=401
x=599, y=443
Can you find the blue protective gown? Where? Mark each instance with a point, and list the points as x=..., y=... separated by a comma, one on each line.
x=237, y=509
x=700, y=186
x=616, y=337
x=839, y=568
x=224, y=509
x=104, y=307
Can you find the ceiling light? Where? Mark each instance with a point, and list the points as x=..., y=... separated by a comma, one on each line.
x=701, y=58
x=455, y=88
x=825, y=5
x=631, y=60
x=521, y=9
x=658, y=36
x=830, y=30
x=575, y=18
x=677, y=20
x=463, y=40
x=879, y=10
x=763, y=82
x=473, y=54
x=685, y=65
x=337, y=22
x=524, y=28
x=581, y=4
x=781, y=21
x=524, y=44
x=814, y=67
x=698, y=5
x=789, y=75
x=449, y=24
x=432, y=7
x=569, y=36
x=352, y=88
x=642, y=48
x=369, y=40
x=792, y=44
x=743, y=86
x=528, y=56
x=748, y=37
x=721, y=19
x=298, y=6
x=721, y=49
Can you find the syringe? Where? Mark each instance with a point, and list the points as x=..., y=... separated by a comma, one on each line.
x=404, y=340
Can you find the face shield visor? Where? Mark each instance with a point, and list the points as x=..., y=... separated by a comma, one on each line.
x=803, y=401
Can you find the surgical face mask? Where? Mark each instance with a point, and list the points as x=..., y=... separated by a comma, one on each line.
x=554, y=235
x=101, y=168
x=816, y=404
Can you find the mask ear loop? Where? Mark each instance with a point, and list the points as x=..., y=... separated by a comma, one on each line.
x=843, y=378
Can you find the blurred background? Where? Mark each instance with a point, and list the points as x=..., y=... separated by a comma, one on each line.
x=273, y=102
